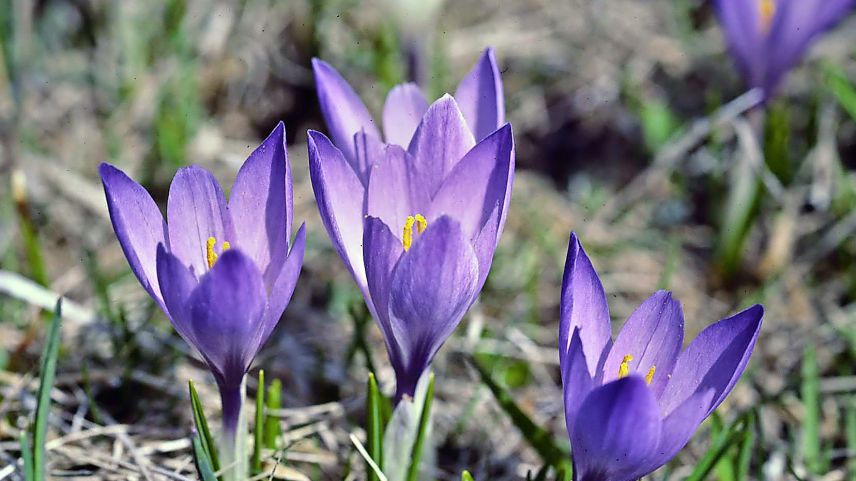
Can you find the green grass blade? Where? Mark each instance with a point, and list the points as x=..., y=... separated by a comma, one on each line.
x=538, y=437
x=258, y=429
x=744, y=455
x=841, y=88
x=202, y=461
x=810, y=396
x=47, y=372
x=722, y=442
x=374, y=426
x=205, y=439
x=274, y=402
x=421, y=434
x=850, y=427
x=466, y=476
x=27, y=456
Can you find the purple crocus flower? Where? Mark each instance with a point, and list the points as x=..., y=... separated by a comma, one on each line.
x=415, y=214
x=767, y=38
x=632, y=404
x=221, y=271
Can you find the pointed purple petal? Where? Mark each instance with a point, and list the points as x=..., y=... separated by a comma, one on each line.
x=261, y=205
x=583, y=306
x=395, y=191
x=617, y=428
x=480, y=96
x=286, y=281
x=138, y=224
x=196, y=210
x=369, y=153
x=432, y=288
x=177, y=283
x=343, y=110
x=576, y=380
x=441, y=140
x=478, y=183
x=339, y=194
x=741, y=23
x=405, y=105
x=226, y=315
x=653, y=335
x=714, y=360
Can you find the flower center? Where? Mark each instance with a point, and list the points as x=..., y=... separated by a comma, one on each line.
x=407, y=236
x=624, y=369
x=210, y=254
x=766, y=9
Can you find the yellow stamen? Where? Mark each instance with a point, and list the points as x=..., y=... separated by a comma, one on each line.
x=650, y=376
x=226, y=246
x=407, y=235
x=624, y=369
x=210, y=255
x=766, y=10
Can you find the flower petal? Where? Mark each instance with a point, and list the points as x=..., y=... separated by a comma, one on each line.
x=196, y=210
x=286, y=281
x=741, y=23
x=394, y=190
x=177, y=283
x=226, y=314
x=714, y=360
x=653, y=335
x=478, y=183
x=480, y=96
x=583, y=306
x=404, y=107
x=261, y=205
x=370, y=152
x=617, y=428
x=441, y=140
x=138, y=224
x=433, y=286
x=576, y=380
x=342, y=108
x=382, y=251
x=339, y=194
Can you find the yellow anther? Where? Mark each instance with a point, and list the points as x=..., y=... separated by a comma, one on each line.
x=210, y=255
x=226, y=246
x=766, y=10
x=650, y=376
x=421, y=223
x=407, y=235
x=624, y=369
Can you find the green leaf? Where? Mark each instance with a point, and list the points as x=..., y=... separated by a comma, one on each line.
x=466, y=476
x=274, y=402
x=421, y=434
x=841, y=88
x=658, y=123
x=810, y=394
x=258, y=429
x=202, y=460
x=47, y=373
x=850, y=423
x=722, y=442
x=205, y=439
x=538, y=437
x=374, y=427
x=27, y=456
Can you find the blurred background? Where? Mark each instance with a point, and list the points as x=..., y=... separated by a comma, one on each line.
x=627, y=131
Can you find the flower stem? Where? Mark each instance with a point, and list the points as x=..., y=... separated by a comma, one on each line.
x=233, y=443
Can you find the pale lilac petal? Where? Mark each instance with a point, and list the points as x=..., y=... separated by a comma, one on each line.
x=714, y=360
x=395, y=191
x=177, y=283
x=138, y=224
x=742, y=26
x=405, y=105
x=480, y=96
x=226, y=316
x=370, y=152
x=196, y=210
x=286, y=281
x=478, y=184
x=617, y=428
x=343, y=110
x=382, y=250
x=653, y=335
x=441, y=140
x=583, y=306
x=261, y=205
x=432, y=288
x=576, y=380
x=484, y=245
x=340, y=196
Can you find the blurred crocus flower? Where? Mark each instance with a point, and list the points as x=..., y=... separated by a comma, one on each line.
x=415, y=214
x=767, y=38
x=221, y=271
x=632, y=404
